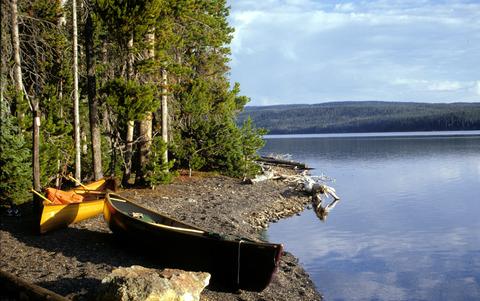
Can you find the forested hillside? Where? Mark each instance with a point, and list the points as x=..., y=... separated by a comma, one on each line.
x=134, y=89
x=371, y=116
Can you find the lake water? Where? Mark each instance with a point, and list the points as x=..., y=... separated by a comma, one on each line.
x=408, y=223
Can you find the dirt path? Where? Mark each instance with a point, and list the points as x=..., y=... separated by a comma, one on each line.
x=73, y=261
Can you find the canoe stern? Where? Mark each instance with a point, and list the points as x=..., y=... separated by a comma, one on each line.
x=58, y=216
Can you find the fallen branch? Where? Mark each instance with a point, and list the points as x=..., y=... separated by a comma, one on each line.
x=313, y=185
x=267, y=175
x=19, y=289
x=283, y=163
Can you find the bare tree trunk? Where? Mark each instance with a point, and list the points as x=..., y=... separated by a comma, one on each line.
x=2, y=64
x=164, y=113
x=62, y=21
x=17, y=68
x=146, y=125
x=131, y=58
x=19, y=90
x=58, y=177
x=93, y=101
x=128, y=153
x=34, y=105
x=84, y=146
x=36, y=149
x=35, y=110
x=60, y=24
x=130, y=124
x=144, y=146
x=76, y=113
x=111, y=141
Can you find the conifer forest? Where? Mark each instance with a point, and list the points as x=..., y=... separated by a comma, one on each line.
x=136, y=89
x=364, y=117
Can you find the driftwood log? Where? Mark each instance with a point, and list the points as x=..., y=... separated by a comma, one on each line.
x=283, y=163
x=266, y=175
x=15, y=288
x=313, y=185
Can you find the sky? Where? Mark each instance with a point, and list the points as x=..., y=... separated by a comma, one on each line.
x=312, y=51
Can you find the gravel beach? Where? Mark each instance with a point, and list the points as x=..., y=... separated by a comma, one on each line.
x=73, y=261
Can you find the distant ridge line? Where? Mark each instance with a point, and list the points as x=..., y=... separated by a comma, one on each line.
x=364, y=116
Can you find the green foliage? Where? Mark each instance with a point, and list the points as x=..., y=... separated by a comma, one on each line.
x=157, y=171
x=46, y=67
x=126, y=18
x=251, y=142
x=128, y=99
x=56, y=138
x=199, y=130
x=206, y=134
x=15, y=171
x=191, y=42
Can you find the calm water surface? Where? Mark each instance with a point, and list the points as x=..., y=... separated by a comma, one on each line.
x=408, y=223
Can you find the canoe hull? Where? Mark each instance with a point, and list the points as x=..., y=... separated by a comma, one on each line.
x=101, y=185
x=233, y=264
x=59, y=216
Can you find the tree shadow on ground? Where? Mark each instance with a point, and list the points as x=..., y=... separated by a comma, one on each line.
x=77, y=289
x=85, y=245
x=99, y=247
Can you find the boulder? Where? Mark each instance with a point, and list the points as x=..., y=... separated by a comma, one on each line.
x=140, y=283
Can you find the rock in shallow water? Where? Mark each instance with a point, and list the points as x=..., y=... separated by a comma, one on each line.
x=140, y=283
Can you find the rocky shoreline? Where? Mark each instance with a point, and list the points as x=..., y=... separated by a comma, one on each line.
x=73, y=261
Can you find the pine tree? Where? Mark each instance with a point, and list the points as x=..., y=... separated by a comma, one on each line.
x=15, y=158
x=47, y=66
x=128, y=23
x=76, y=105
x=205, y=133
x=251, y=141
x=157, y=171
x=93, y=101
x=136, y=43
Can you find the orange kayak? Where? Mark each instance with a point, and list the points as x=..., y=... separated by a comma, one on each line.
x=67, y=207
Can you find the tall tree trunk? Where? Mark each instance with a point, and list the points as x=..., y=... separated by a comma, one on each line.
x=37, y=202
x=93, y=101
x=60, y=24
x=164, y=113
x=145, y=131
x=146, y=125
x=35, y=110
x=36, y=148
x=17, y=68
x=58, y=179
x=76, y=113
x=130, y=123
x=2, y=64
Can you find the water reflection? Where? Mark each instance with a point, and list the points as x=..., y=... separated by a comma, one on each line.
x=371, y=149
x=410, y=229
x=320, y=209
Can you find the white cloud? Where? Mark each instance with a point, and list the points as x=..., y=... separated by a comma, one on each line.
x=409, y=82
x=345, y=7
x=311, y=51
x=397, y=255
x=438, y=85
x=434, y=85
x=445, y=86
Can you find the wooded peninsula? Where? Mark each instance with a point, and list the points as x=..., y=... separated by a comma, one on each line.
x=365, y=116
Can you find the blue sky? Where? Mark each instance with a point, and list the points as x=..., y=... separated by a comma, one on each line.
x=310, y=51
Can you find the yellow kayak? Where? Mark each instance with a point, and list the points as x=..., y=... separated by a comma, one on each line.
x=78, y=204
